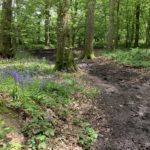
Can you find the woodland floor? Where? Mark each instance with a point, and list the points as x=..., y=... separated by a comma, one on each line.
x=121, y=110
x=123, y=117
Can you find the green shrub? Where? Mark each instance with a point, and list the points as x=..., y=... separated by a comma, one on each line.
x=134, y=57
x=87, y=136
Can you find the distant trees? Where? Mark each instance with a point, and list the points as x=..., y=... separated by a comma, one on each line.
x=128, y=22
x=89, y=32
x=66, y=24
x=64, y=56
x=6, y=30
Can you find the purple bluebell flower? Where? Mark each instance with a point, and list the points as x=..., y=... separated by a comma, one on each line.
x=18, y=78
x=27, y=78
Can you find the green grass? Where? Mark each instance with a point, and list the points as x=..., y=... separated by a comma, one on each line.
x=43, y=92
x=135, y=57
x=32, y=65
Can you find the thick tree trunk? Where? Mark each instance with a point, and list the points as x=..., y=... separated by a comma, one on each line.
x=5, y=32
x=64, y=56
x=47, y=22
x=89, y=35
x=111, y=28
x=148, y=31
x=137, y=24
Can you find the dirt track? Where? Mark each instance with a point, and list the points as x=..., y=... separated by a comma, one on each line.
x=125, y=103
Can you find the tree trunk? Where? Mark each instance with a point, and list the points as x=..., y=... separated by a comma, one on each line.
x=117, y=24
x=137, y=24
x=132, y=34
x=5, y=33
x=47, y=22
x=64, y=56
x=127, y=34
x=148, y=31
x=127, y=42
x=111, y=31
x=15, y=34
x=88, y=50
x=38, y=38
x=74, y=20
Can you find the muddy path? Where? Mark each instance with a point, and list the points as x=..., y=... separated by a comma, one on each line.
x=124, y=103
x=122, y=116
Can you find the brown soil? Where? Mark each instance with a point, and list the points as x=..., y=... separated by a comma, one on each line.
x=11, y=120
x=123, y=105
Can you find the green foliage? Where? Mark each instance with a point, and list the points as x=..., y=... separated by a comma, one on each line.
x=92, y=92
x=28, y=23
x=41, y=94
x=134, y=57
x=3, y=130
x=87, y=136
x=38, y=131
x=15, y=146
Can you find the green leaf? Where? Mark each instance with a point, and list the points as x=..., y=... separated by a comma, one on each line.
x=42, y=145
x=41, y=137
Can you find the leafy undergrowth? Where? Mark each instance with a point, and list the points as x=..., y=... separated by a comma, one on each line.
x=134, y=57
x=48, y=105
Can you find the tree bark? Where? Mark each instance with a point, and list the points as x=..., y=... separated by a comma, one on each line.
x=89, y=35
x=74, y=19
x=47, y=22
x=111, y=28
x=64, y=56
x=131, y=43
x=137, y=23
x=127, y=42
x=38, y=38
x=148, y=31
x=5, y=33
x=117, y=24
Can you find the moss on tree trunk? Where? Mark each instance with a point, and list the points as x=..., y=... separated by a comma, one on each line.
x=64, y=56
x=5, y=32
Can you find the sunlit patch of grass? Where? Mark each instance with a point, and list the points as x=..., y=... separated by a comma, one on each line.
x=32, y=65
x=134, y=57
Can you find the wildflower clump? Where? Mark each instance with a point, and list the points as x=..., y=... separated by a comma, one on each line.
x=20, y=81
